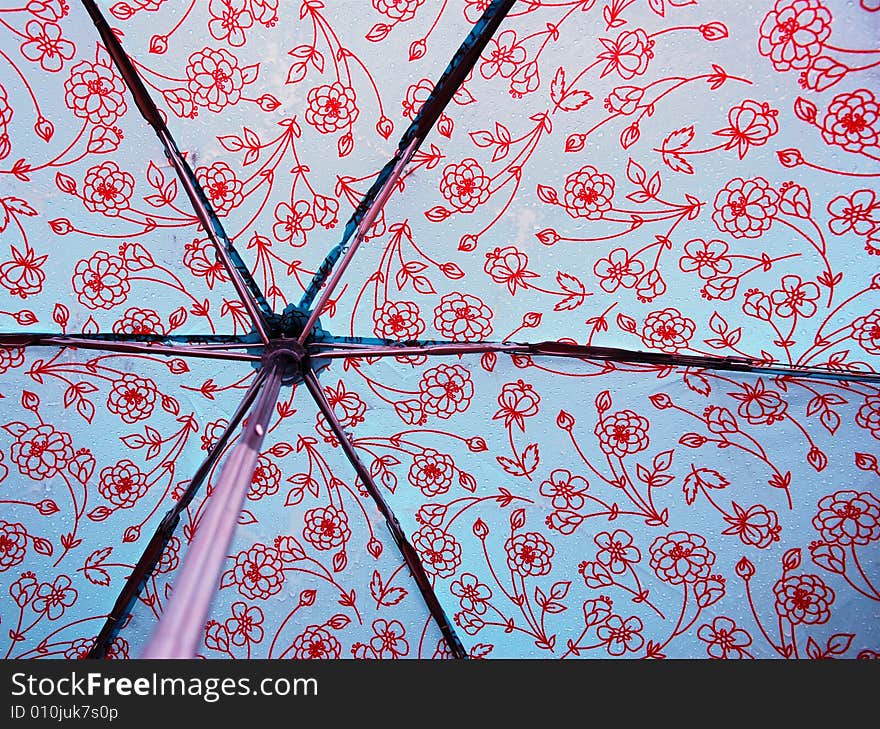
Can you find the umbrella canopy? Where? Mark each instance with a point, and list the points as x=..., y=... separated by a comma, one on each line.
x=595, y=369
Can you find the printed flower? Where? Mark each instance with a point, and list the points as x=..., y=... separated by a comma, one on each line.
x=502, y=56
x=292, y=223
x=416, y=96
x=431, y=472
x=439, y=551
x=618, y=270
x=462, y=317
x=628, y=55
x=622, y=433
x=229, y=20
x=474, y=9
x=795, y=297
x=245, y=625
x=588, y=193
x=667, y=330
x=11, y=357
x=681, y=558
x=44, y=45
x=707, y=258
x=564, y=490
x=331, y=107
x=724, y=639
x=745, y=208
x=851, y=121
x=617, y=551
x=389, y=639
x=53, y=599
x=122, y=484
x=865, y=330
x=79, y=649
x=132, y=398
x=347, y=406
x=399, y=320
x=94, y=92
x=471, y=593
x=465, y=185
x=201, y=259
x=214, y=78
x=752, y=123
x=140, y=321
x=621, y=636
x=849, y=518
x=858, y=212
x=266, y=479
x=41, y=452
x=756, y=526
x=803, y=599
x=758, y=405
x=509, y=266
x=107, y=189
x=792, y=34
x=398, y=10
x=326, y=527
x=223, y=188
x=445, y=390
x=517, y=401
x=257, y=572
x=868, y=416
x=13, y=544
x=170, y=558
x=316, y=642
x=624, y=99
x=529, y=554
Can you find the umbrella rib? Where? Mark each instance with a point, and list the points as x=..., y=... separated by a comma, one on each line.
x=151, y=555
x=244, y=284
x=577, y=351
x=410, y=556
x=180, y=627
x=372, y=203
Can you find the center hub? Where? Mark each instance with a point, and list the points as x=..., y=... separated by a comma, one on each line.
x=288, y=354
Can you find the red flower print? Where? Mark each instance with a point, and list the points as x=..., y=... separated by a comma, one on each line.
x=628, y=55
x=621, y=636
x=792, y=34
x=212, y=433
x=474, y=9
x=5, y=118
x=588, y=193
x=132, y=398
x=724, y=639
x=431, y=472
x=439, y=551
x=398, y=320
x=214, y=78
x=11, y=357
x=745, y=208
x=868, y=415
x=222, y=186
x=445, y=390
x=245, y=625
x=416, y=96
x=326, y=527
x=851, y=121
x=257, y=572
x=622, y=433
x=170, y=558
x=292, y=223
x=624, y=99
x=667, y=330
x=462, y=317
x=518, y=400
x=107, y=189
x=316, y=642
x=41, y=452
x=508, y=266
x=266, y=479
x=140, y=321
x=502, y=56
x=347, y=406
x=122, y=484
x=756, y=526
x=681, y=558
x=618, y=270
x=229, y=20
x=465, y=185
x=398, y=10
x=617, y=551
x=200, y=258
x=331, y=108
x=44, y=45
x=849, y=518
x=865, y=330
x=858, y=213
x=564, y=490
x=803, y=599
x=13, y=544
x=471, y=593
x=94, y=92
x=795, y=298
x=752, y=123
x=53, y=599
x=758, y=405
x=529, y=554
x=707, y=258
x=79, y=649
x=389, y=639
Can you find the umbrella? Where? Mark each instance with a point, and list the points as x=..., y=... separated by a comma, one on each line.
x=590, y=370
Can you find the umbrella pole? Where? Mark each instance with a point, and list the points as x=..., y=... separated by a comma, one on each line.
x=410, y=556
x=180, y=627
x=150, y=557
